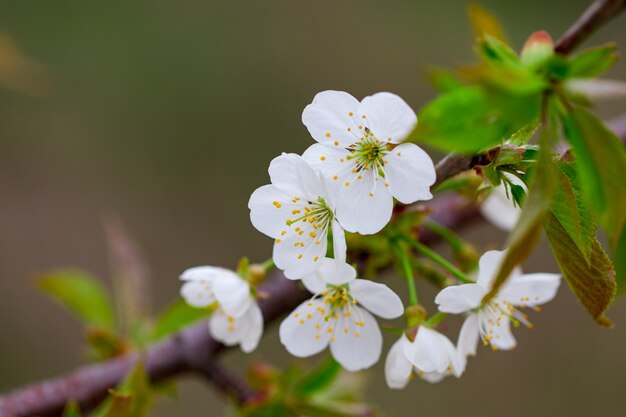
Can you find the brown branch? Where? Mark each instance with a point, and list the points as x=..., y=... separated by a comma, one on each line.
x=191, y=350
x=596, y=15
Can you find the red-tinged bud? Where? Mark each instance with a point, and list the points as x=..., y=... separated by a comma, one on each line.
x=538, y=47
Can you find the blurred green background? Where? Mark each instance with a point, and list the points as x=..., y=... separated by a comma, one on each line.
x=166, y=114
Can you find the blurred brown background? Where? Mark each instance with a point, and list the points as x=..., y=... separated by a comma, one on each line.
x=167, y=114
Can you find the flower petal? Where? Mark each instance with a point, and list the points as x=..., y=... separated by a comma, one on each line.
x=377, y=298
x=250, y=340
x=332, y=116
x=232, y=293
x=430, y=351
x=410, y=172
x=339, y=242
x=388, y=117
x=460, y=298
x=228, y=329
x=364, y=205
x=336, y=273
x=300, y=249
x=488, y=266
x=202, y=273
x=499, y=210
x=294, y=177
x=305, y=332
x=330, y=161
x=198, y=293
x=397, y=367
x=270, y=208
x=356, y=346
x=469, y=335
x=530, y=289
x=499, y=334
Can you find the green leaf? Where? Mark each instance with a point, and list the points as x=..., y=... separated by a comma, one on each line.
x=593, y=283
x=71, y=410
x=177, y=316
x=619, y=260
x=493, y=50
x=82, y=294
x=484, y=23
x=524, y=237
x=571, y=211
x=469, y=120
x=320, y=378
x=593, y=62
x=132, y=398
x=601, y=166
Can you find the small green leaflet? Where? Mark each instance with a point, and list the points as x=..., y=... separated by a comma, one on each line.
x=82, y=294
x=132, y=398
x=593, y=283
x=592, y=62
x=601, y=165
x=176, y=316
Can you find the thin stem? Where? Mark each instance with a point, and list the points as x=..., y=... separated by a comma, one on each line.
x=433, y=256
x=443, y=232
x=268, y=265
x=407, y=268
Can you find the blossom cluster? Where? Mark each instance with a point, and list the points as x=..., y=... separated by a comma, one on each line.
x=347, y=181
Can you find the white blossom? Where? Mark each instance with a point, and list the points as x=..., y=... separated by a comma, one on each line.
x=339, y=315
x=431, y=355
x=360, y=154
x=237, y=319
x=298, y=211
x=492, y=322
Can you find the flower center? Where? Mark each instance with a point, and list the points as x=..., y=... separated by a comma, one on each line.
x=369, y=153
x=317, y=213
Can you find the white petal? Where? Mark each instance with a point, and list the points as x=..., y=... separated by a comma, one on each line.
x=202, y=273
x=364, y=205
x=339, y=242
x=530, y=289
x=377, y=298
x=397, y=367
x=460, y=298
x=469, y=335
x=488, y=266
x=388, y=117
x=356, y=347
x=305, y=332
x=433, y=377
x=198, y=293
x=314, y=283
x=336, y=273
x=430, y=351
x=232, y=293
x=294, y=177
x=329, y=160
x=499, y=210
x=251, y=338
x=410, y=172
x=227, y=329
x=332, y=116
x=295, y=260
x=500, y=335
x=270, y=208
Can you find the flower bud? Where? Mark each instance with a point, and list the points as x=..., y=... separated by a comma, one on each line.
x=537, y=49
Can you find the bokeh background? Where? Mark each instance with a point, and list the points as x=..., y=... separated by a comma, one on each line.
x=166, y=115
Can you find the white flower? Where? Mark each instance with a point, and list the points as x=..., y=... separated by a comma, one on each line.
x=431, y=355
x=358, y=153
x=498, y=207
x=492, y=322
x=298, y=211
x=339, y=315
x=238, y=318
